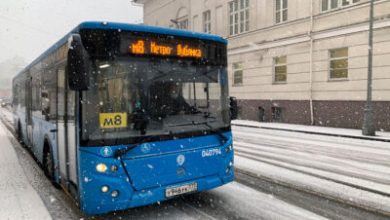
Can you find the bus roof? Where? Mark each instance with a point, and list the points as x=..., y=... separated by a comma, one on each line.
x=149, y=29
x=126, y=27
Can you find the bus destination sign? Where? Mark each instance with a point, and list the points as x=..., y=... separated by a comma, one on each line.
x=163, y=48
x=155, y=45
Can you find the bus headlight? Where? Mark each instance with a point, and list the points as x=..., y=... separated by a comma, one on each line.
x=101, y=168
x=104, y=189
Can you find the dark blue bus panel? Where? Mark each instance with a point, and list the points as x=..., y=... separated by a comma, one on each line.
x=124, y=115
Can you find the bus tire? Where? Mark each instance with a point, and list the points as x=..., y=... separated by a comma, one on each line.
x=48, y=165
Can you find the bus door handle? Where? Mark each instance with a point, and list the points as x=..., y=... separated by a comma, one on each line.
x=53, y=130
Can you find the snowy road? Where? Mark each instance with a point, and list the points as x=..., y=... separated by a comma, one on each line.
x=232, y=201
x=352, y=172
x=281, y=175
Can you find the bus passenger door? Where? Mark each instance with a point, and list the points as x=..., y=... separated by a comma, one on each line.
x=66, y=127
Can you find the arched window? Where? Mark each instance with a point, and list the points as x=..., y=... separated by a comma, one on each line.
x=182, y=18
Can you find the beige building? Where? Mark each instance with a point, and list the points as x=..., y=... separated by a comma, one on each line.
x=294, y=61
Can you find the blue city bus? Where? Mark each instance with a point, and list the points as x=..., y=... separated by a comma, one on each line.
x=123, y=115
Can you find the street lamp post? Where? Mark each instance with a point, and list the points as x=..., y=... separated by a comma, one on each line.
x=368, y=122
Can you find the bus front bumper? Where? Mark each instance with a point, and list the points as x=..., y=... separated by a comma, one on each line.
x=100, y=203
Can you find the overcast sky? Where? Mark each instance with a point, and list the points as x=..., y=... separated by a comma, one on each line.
x=29, y=27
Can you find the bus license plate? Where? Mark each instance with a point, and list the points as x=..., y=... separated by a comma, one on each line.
x=174, y=191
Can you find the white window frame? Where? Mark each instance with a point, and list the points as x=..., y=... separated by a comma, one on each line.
x=238, y=69
x=207, y=21
x=183, y=24
x=275, y=65
x=337, y=58
x=339, y=4
x=239, y=16
x=283, y=8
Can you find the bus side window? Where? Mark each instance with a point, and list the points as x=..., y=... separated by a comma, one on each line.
x=49, y=94
x=15, y=95
x=36, y=93
x=21, y=93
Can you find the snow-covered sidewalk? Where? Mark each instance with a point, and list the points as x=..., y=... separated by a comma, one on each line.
x=340, y=132
x=18, y=199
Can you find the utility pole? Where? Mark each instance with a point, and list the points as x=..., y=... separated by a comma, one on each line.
x=368, y=122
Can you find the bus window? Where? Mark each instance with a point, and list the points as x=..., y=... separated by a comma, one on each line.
x=36, y=94
x=15, y=96
x=49, y=95
x=125, y=97
x=61, y=93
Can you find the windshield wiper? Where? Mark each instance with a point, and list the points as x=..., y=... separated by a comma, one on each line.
x=123, y=151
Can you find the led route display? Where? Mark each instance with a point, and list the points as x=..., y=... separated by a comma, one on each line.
x=142, y=47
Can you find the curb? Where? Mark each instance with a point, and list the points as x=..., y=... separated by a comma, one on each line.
x=314, y=132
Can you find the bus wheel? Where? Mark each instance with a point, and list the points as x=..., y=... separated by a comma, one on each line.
x=48, y=167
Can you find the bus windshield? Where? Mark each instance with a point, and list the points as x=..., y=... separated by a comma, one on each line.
x=137, y=97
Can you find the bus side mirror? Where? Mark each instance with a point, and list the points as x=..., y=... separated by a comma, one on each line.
x=77, y=64
x=233, y=108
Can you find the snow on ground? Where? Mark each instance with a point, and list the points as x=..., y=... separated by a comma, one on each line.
x=317, y=129
x=322, y=167
x=18, y=198
x=231, y=201
x=246, y=200
x=352, y=170
x=7, y=114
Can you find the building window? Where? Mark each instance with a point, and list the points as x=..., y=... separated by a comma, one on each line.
x=237, y=74
x=239, y=16
x=207, y=21
x=338, y=63
x=334, y=4
x=183, y=24
x=280, y=69
x=280, y=11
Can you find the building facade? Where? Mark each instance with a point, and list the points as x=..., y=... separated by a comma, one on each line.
x=294, y=61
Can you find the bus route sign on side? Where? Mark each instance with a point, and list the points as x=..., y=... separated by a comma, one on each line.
x=113, y=120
